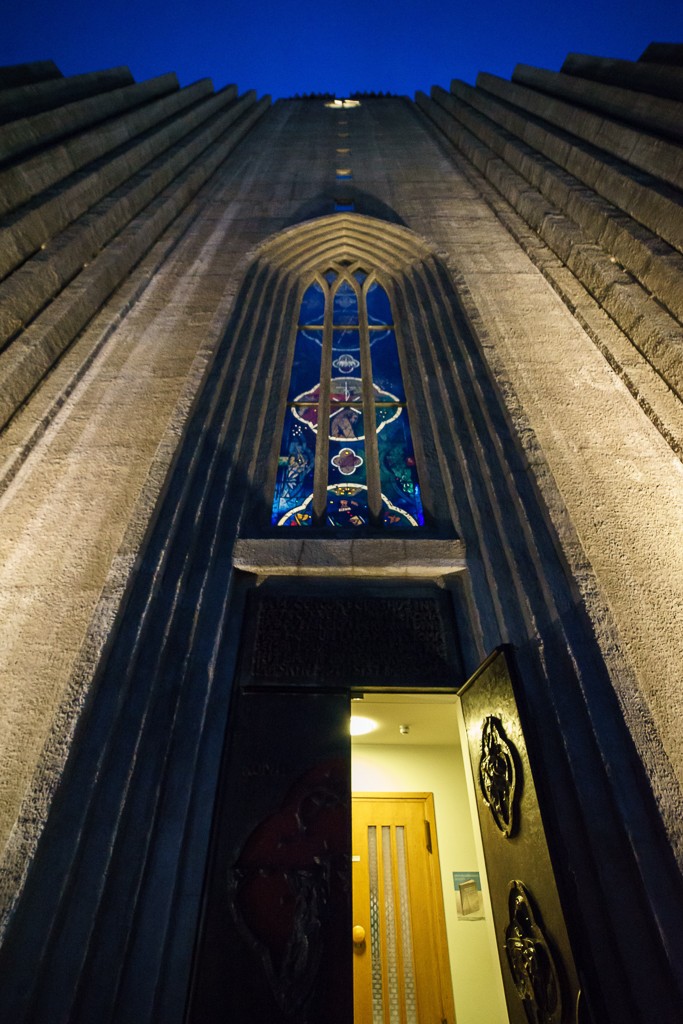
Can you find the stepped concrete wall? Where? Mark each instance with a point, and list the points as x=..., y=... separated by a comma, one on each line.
x=123, y=246
x=100, y=179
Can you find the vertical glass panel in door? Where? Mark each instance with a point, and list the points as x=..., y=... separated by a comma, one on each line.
x=405, y=912
x=390, y=929
x=375, y=929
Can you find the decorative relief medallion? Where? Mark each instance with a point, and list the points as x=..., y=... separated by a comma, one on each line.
x=497, y=775
x=288, y=882
x=531, y=962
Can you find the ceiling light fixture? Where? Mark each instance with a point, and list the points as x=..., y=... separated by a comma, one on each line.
x=360, y=725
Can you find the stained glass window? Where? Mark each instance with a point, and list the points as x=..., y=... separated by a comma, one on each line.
x=346, y=373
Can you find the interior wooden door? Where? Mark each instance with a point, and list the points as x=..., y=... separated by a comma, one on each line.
x=401, y=968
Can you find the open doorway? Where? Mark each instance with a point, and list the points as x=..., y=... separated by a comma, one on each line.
x=413, y=749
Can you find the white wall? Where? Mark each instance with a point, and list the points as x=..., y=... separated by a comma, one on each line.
x=477, y=986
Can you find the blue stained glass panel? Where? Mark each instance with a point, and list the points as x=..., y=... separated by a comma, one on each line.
x=294, y=481
x=345, y=364
x=300, y=516
x=394, y=517
x=398, y=474
x=313, y=305
x=347, y=505
x=360, y=276
x=346, y=389
x=386, y=369
x=386, y=409
x=347, y=463
x=345, y=340
x=346, y=424
x=306, y=364
x=345, y=307
x=378, y=306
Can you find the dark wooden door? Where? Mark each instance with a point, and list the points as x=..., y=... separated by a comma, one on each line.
x=274, y=943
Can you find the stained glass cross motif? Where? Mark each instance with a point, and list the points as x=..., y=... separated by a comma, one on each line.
x=346, y=453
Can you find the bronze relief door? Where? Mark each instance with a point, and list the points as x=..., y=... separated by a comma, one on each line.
x=274, y=943
x=539, y=974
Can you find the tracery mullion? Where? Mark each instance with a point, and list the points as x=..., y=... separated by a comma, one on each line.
x=369, y=417
x=322, y=443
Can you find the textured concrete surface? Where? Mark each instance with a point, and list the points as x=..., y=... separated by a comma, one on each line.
x=53, y=163
x=612, y=484
x=156, y=195
x=66, y=513
x=656, y=207
x=641, y=149
x=36, y=223
x=641, y=252
x=22, y=74
x=653, y=113
x=85, y=461
x=656, y=79
x=28, y=132
x=30, y=98
x=416, y=559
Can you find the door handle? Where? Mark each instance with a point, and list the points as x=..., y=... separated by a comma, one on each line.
x=358, y=935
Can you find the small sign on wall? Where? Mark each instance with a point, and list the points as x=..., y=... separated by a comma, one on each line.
x=468, y=901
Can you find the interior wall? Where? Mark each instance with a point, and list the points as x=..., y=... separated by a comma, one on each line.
x=477, y=984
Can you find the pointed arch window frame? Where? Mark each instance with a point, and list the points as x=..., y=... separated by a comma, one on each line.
x=336, y=272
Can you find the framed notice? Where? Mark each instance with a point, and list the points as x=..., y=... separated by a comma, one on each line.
x=468, y=901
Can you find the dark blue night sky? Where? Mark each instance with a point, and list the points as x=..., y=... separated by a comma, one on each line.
x=287, y=47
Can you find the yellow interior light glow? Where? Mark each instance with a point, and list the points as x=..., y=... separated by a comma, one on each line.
x=361, y=725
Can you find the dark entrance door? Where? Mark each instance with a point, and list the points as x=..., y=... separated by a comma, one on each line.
x=275, y=943
x=539, y=973
x=275, y=939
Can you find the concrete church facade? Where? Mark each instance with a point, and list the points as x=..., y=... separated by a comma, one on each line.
x=158, y=627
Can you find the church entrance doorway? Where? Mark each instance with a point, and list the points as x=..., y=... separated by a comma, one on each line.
x=419, y=887
x=275, y=939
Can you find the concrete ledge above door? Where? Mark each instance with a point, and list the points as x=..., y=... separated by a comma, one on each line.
x=426, y=558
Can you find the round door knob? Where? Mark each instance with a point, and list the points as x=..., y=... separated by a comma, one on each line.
x=358, y=934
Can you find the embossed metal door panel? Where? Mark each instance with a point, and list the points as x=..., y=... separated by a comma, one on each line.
x=274, y=942
x=539, y=974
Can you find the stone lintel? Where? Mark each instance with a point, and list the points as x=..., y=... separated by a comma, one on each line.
x=365, y=556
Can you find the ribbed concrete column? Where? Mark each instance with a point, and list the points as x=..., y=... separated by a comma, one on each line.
x=73, y=227
x=28, y=133
x=648, y=78
x=46, y=94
